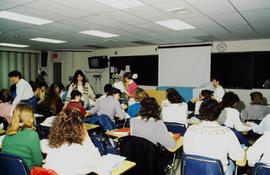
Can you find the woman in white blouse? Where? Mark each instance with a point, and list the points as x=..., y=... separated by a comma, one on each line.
x=259, y=151
x=81, y=84
x=175, y=110
x=212, y=140
x=70, y=150
x=230, y=116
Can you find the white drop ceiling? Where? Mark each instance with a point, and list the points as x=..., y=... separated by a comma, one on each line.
x=215, y=20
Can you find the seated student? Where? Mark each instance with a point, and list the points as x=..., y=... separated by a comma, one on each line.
x=110, y=106
x=134, y=109
x=24, y=92
x=230, y=116
x=176, y=110
x=52, y=100
x=166, y=101
x=256, y=110
x=204, y=95
x=211, y=140
x=5, y=104
x=70, y=150
x=259, y=151
x=39, y=94
x=262, y=127
x=106, y=89
x=149, y=125
x=21, y=140
x=75, y=103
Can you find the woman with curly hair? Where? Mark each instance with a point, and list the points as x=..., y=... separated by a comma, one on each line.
x=70, y=149
x=81, y=84
x=149, y=125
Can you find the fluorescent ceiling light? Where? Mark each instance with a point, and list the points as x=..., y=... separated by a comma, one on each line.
x=13, y=45
x=175, y=24
x=47, y=40
x=99, y=33
x=23, y=18
x=122, y=4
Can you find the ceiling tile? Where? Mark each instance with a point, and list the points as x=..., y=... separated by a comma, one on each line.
x=244, y=5
x=229, y=19
x=257, y=16
x=124, y=17
x=212, y=6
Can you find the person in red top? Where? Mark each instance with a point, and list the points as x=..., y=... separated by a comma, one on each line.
x=129, y=84
x=75, y=103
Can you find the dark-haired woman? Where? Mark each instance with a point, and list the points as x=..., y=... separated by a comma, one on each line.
x=176, y=110
x=5, y=104
x=129, y=83
x=81, y=84
x=149, y=125
x=52, y=100
x=209, y=139
x=70, y=149
x=204, y=95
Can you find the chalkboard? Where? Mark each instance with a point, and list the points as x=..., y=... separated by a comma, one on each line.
x=241, y=70
x=146, y=66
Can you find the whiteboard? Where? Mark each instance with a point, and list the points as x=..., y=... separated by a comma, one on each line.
x=184, y=66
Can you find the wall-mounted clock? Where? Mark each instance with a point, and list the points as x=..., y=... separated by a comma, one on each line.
x=221, y=46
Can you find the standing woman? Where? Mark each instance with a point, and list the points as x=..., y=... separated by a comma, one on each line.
x=81, y=84
x=21, y=140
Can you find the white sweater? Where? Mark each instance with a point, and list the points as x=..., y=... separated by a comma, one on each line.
x=73, y=159
x=259, y=151
x=211, y=140
x=175, y=113
x=231, y=117
x=263, y=126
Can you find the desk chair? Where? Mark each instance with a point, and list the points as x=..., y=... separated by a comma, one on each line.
x=176, y=127
x=261, y=169
x=195, y=165
x=12, y=165
x=4, y=122
x=144, y=153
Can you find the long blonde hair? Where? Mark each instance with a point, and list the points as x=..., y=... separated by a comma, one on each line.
x=23, y=117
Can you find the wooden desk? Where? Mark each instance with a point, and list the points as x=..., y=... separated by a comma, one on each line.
x=89, y=126
x=179, y=144
x=126, y=165
x=115, y=134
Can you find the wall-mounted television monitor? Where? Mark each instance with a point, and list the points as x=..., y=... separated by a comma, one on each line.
x=98, y=62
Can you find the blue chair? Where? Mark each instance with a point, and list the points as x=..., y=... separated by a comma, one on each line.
x=176, y=127
x=12, y=165
x=196, y=165
x=261, y=169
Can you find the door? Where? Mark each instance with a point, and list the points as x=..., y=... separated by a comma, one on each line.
x=57, y=72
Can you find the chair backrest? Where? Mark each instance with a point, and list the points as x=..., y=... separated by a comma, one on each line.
x=195, y=165
x=261, y=169
x=144, y=153
x=12, y=165
x=4, y=121
x=176, y=127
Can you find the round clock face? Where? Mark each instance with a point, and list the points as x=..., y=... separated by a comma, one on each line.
x=221, y=46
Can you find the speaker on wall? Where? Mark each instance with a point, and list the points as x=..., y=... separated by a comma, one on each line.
x=44, y=59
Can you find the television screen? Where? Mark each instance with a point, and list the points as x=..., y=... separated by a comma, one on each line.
x=98, y=62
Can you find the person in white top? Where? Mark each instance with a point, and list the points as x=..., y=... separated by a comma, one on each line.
x=209, y=139
x=70, y=150
x=23, y=89
x=230, y=116
x=166, y=102
x=81, y=84
x=264, y=125
x=176, y=110
x=259, y=151
x=218, y=90
x=204, y=95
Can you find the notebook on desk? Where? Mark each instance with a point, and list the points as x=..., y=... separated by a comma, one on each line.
x=122, y=131
x=109, y=162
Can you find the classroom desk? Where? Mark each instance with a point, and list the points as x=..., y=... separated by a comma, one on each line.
x=126, y=165
x=116, y=135
x=179, y=144
x=90, y=126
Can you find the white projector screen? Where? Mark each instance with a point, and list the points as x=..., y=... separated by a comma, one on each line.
x=184, y=66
